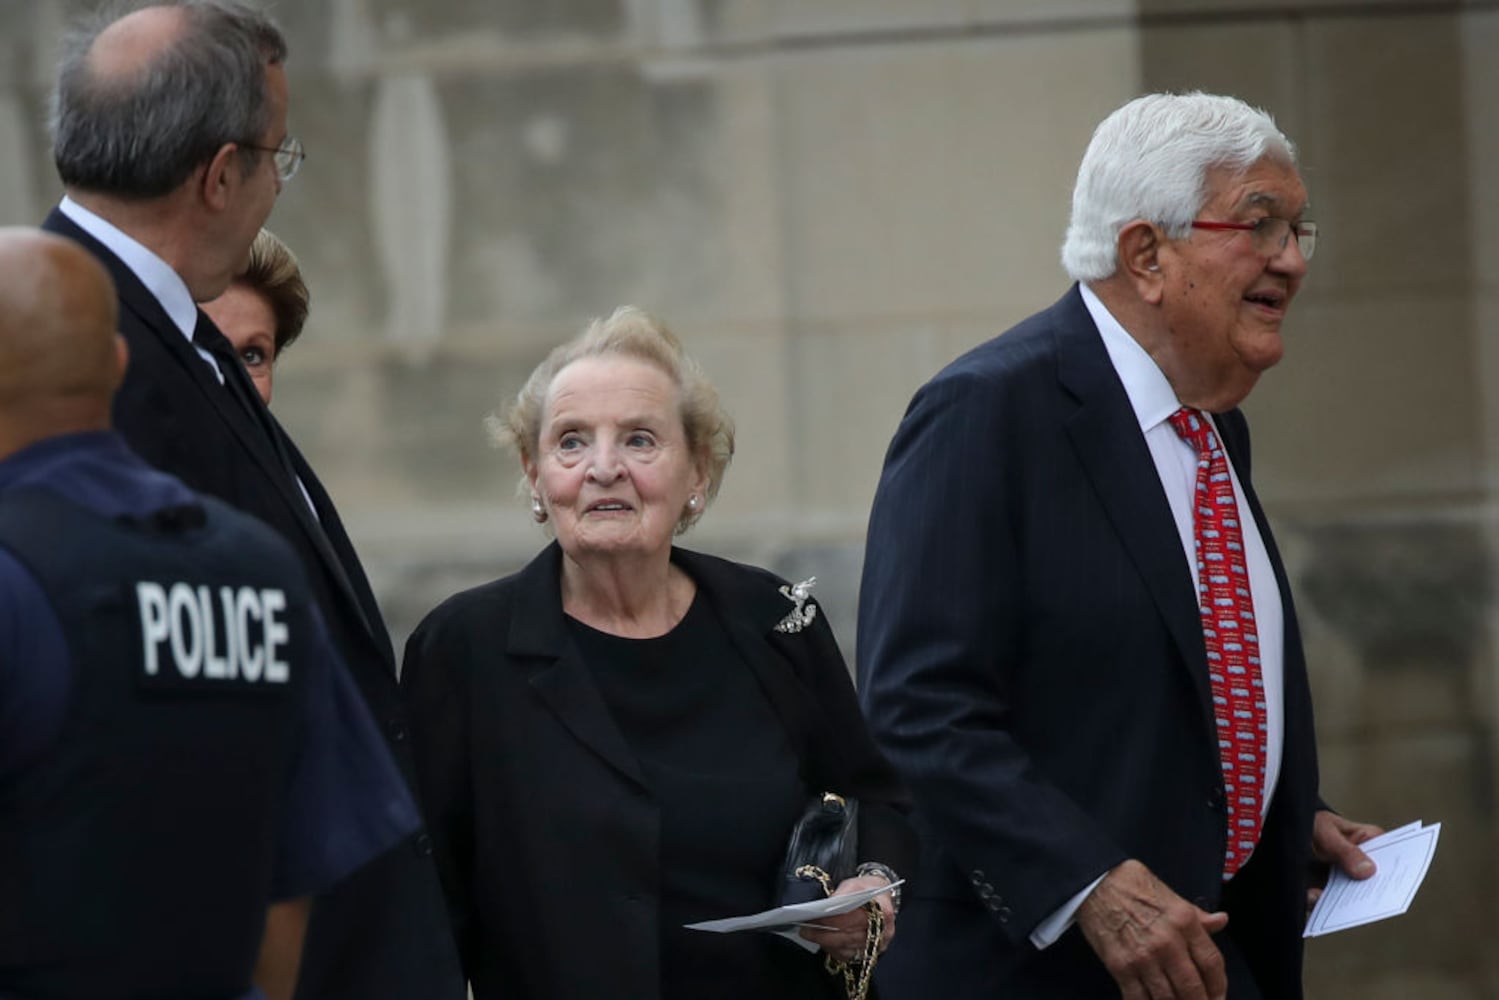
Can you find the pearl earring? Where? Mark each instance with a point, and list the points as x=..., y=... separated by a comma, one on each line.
x=537, y=510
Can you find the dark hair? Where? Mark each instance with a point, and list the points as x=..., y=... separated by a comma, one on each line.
x=141, y=133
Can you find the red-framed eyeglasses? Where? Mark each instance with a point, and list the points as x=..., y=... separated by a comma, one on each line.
x=1271, y=234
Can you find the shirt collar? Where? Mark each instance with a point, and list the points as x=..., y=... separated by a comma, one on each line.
x=156, y=274
x=1150, y=395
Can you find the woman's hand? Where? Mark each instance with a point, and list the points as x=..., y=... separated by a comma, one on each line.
x=845, y=940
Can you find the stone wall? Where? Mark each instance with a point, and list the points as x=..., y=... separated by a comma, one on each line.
x=828, y=199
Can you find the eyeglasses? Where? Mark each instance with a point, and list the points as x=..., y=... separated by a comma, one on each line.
x=1271, y=234
x=287, y=157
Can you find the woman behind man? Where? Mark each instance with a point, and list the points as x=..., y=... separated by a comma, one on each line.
x=263, y=310
x=618, y=740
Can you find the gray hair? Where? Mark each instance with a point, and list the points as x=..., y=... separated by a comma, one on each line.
x=141, y=134
x=632, y=333
x=1150, y=160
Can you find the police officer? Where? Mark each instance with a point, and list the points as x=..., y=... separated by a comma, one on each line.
x=177, y=746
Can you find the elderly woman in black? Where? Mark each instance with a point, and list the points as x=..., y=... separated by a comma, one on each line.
x=619, y=739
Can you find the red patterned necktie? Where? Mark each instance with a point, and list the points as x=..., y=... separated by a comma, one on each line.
x=1230, y=634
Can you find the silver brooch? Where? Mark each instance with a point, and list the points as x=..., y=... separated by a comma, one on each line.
x=803, y=614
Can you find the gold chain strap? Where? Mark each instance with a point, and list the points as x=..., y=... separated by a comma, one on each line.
x=857, y=973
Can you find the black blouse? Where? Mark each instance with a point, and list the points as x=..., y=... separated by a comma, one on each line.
x=726, y=780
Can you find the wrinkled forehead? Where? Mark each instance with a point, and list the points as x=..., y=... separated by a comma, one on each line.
x=606, y=383
x=1270, y=186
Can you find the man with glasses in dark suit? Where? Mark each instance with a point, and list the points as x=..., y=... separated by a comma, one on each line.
x=170, y=135
x=179, y=743
x=1076, y=638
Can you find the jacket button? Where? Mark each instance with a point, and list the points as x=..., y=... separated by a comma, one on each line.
x=395, y=730
x=978, y=876
x=1004, y=914
x=986, y=892
x=1215, y=798
x=423, y=844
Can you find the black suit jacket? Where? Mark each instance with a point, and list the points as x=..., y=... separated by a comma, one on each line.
x=381, y=932
x=547, y=836
x=1032, y=661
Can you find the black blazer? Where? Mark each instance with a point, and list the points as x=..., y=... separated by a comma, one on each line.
x=1032, y=661
x=379, y=933
x=547, y=838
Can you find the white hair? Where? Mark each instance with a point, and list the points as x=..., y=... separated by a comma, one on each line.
x=1150, y=160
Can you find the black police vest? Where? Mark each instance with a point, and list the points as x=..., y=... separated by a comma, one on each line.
x=136, y=854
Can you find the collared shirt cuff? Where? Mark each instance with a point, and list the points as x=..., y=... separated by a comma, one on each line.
x=1047, y=931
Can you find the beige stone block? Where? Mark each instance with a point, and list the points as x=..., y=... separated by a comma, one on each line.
x=1256, y=61
x=1337, y=678
x=1049, y=12
x=1375, y=401
x=744, y=226
x=405, y=21
x=1264, y=8
x=1155, y=11
x=387, y=436
x=854, y=384
x=924, y=184
x=577, y=192
x=324, y=215
x=1486, y=323
x=595, y=188
x=1433, y=776
x=750, y=368
x=1432, y=698
x=570, y=195
x=1433, y=773
x=1385, y=154
x=1480, y=40
x=18, y=188
x=816, y=17
x=739, y=22
x=1341, y=769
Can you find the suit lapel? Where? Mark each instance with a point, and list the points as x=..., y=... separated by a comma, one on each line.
x=1113, y=452
x=266, y=443
x=748, y=611
x=749, y=608
x=143, y=305
x=320, y=523
x=560, y=678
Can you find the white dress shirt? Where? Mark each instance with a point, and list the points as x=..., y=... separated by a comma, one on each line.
x=1153, y=401
x=165, y=284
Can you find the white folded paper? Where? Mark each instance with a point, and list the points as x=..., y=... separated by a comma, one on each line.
x=784, y=920
x=1401, y=858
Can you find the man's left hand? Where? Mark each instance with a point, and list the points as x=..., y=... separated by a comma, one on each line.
x=1335, y=841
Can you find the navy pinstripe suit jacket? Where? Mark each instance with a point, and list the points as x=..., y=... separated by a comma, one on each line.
x=380, y=932
x=1031, y=659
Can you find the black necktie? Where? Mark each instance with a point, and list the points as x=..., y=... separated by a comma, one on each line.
x=237, y=381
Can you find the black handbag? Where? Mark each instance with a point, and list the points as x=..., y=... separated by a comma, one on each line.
x=824, y=844
x=822, y=852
